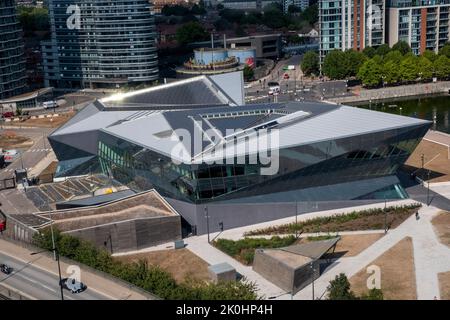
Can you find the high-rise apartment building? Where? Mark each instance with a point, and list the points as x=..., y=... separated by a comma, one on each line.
x=12, y=57
x=99, y=43
x=351, y=24
x=421, y=23
x=300, y=4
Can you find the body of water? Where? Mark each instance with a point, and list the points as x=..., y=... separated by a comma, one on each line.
x=436, y=108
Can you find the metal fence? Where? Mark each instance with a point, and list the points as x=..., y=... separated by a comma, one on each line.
x=9, y=183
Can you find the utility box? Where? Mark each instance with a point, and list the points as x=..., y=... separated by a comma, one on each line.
x=20, y=175
x=179, y=244
x=222, y=272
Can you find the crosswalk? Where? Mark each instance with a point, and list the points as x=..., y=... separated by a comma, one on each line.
x=39, y=150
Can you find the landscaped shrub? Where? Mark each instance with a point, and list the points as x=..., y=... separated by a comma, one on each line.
x=244, y=249
x=344, y=222
x=148, y=277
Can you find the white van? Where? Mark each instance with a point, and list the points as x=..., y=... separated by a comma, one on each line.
x=49, y=104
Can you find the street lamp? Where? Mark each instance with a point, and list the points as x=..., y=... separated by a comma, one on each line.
x=207, y=221
x=428, y=189
x=59, y=268
x=312, y=277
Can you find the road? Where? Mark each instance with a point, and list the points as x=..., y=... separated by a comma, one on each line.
x=40, y=284
x=28, y=158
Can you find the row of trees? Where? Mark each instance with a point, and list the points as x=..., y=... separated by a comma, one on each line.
x=179, y=10
x=402, y=66
x=272, y=17
x=381, y=66
x=147, y=277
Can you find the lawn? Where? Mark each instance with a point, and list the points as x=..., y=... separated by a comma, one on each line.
x=398, y=279
x=182, y=264
x=348, y=245
x=372, y=219
x=243, y=250
x=441, y=224
x=10, y=139
x=444, y=285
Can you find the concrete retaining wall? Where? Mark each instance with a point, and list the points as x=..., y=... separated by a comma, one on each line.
x=238, y=215
x=396, y=92
x=132, y=235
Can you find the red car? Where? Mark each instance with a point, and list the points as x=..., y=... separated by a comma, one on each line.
x=8, y=114
x=286, y=76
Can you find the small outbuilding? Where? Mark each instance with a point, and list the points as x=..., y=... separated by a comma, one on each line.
x=222, y=272
x=293, y=268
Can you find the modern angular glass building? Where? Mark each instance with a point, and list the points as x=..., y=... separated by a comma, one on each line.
x=12, y=54
x=202, y=150
x=97, y=43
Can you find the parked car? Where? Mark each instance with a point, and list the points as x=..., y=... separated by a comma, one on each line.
x=8, y=114
x=50, y=104
x=73, y=285
x=6, y=269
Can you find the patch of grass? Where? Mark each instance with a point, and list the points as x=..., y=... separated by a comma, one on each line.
x=243, y=250
x=371, y=219
x=320, y=238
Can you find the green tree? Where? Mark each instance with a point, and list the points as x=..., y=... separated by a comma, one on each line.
x=373, y=294
x=310, y=14
x=425, y=68
x=371, y=72
x=391, y=72
x=369, y=52
x=339, y=288
x=248, y=73
x=33, y=19
x=409, y=68
x=394, y=56
x=334, y=65
x=383, y=50
x=353, y=60
x=445, y=50
x=191, y=32
x=441, y=67
x=310, y=63
x=402, y=46
x=430, y=55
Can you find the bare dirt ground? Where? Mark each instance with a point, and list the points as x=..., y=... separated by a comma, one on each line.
x=441, y=224
x=435, y=159
x=398, y=279
x=182, y=264
x=444, y=285
x=10, y=139
x=352, y=245
x=53, y=122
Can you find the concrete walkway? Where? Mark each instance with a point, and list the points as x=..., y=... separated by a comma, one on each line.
x=430, y=257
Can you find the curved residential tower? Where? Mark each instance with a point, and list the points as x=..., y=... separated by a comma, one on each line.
x=99, y=43
x=12, y=58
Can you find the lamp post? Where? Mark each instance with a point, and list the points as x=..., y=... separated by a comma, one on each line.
x=312, y=278
x=428, y=188
x=207, y=222
x=59, y=268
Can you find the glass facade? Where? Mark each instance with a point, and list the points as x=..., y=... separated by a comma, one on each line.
x=12, y=52
x=318, y=164
x=113, y=44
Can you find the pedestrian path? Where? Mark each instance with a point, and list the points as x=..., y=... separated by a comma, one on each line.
x=430, y=257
